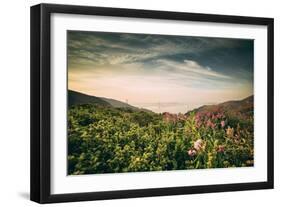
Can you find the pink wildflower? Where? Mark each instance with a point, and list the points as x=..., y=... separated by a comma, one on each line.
x=198, y=145
x=220, y=148
x=219, y=115
x=191, y=152
x=197, y=121
x=210, y=124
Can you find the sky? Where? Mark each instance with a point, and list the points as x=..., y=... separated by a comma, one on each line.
x=160, y=72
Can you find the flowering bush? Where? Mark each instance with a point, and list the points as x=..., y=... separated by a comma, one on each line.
x=107, y=140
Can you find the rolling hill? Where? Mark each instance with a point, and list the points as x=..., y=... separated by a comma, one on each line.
x=76, y=98
x=118, y=104
x=243, y=107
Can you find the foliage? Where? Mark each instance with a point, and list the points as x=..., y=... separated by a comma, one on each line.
x=103, y=139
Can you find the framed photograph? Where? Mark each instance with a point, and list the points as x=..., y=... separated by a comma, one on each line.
x=133, y=103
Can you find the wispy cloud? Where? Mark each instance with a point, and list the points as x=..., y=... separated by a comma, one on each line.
x=193, y=68
x=151, y=68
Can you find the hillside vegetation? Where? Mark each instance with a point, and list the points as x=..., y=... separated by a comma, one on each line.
x=107, y=139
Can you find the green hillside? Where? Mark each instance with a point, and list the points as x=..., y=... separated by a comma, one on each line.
x=244, y=107
x=105, y=139
x=77, y=98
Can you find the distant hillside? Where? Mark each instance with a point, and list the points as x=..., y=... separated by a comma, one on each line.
x=75, y=98
x=242, y=107
x=118, y=104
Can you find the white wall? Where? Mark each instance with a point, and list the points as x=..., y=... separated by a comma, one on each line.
x=14, y=110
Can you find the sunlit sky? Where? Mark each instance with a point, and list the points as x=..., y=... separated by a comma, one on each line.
x=160, y=72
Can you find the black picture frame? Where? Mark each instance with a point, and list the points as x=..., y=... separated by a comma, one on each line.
x=41, y=95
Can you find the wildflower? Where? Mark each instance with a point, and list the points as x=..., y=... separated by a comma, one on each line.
x=197, y=121
x=220, y=148
x=229, y=132
x=198, y=145
x=222, y=124
x=198, y=115
x=198, y=124
x=191, y=152
x=210, y=124
x=220, y=115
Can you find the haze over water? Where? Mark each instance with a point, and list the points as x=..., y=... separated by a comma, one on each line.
x=170, y=107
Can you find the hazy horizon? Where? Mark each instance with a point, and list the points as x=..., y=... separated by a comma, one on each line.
x=158, y=70
x=171, y=107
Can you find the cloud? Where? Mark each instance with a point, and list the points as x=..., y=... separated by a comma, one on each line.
x=116, y=48
x=193, y=68
x=148, y=68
